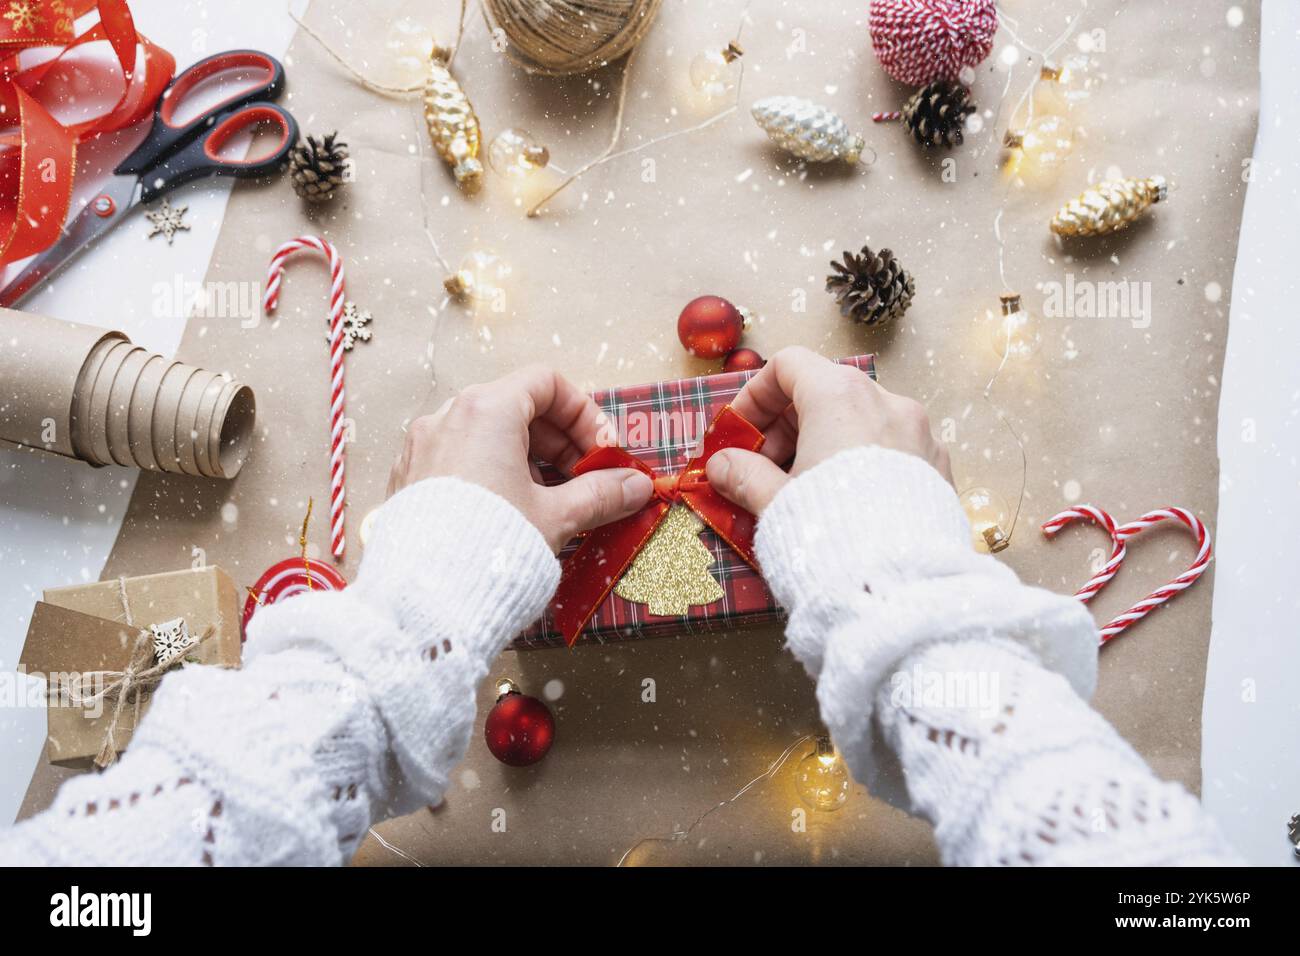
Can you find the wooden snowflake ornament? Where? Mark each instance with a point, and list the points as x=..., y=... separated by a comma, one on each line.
x=167, y=220
x=171, y=639
x=356, y=325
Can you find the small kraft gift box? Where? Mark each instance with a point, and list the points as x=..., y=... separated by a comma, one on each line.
x=103, y=648
x=683, y=575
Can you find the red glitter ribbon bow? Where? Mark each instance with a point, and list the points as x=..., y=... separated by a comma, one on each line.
x=598, y=564
x=37, y=151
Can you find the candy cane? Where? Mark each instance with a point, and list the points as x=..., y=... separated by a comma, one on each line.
x=1181, y=583
x=273, y=277
x=1099, y=580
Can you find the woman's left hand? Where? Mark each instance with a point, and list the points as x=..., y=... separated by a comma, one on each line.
x=488, y=435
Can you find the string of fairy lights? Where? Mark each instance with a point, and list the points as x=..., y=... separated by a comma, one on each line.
x=1036, y=143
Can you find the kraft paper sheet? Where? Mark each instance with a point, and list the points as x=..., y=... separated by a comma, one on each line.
x=1118, y=411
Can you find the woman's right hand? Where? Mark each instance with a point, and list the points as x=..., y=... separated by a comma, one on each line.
x=810, y=408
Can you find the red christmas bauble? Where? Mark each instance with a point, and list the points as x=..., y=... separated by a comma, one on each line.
x=710, y=326
x=519, y=729
x=743, y=360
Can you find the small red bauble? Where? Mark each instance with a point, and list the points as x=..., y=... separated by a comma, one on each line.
x=710, y=326
x=743, y=360
x=519, y=729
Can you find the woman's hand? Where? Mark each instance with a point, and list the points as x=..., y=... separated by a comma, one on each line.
x=810, y=408
x=488, y=434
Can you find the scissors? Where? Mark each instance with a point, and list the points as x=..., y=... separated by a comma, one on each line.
x=175, y=153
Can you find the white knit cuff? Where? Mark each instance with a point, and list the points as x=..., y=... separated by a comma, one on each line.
x=451, y=553
x=870, y=553
x=859, y=524
x=864, y=513
x=451, y=573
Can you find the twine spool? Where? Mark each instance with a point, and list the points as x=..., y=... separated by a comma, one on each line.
x=920, y=41
x=562, y=37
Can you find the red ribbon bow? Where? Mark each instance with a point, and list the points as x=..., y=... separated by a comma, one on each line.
x=37, y=151
x=598, y=564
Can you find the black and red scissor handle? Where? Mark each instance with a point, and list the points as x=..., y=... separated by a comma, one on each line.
x=174, y=153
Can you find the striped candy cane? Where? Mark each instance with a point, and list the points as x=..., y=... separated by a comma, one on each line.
x=274, y=275
x=1185, y=580
x=1091, y=512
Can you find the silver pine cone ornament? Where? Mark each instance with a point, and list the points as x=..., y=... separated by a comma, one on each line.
x=318, y=167
x=453, y=124
x=807, y=130
x=936, y=114
x=871, y=288
x=1109, y=206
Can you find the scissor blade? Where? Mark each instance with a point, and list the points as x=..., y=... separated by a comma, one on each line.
x=83, y=229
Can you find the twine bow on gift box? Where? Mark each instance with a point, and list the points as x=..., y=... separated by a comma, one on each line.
x=145, y=668
x=606, y=553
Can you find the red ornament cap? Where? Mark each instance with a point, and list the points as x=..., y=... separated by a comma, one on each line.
x=710, y=326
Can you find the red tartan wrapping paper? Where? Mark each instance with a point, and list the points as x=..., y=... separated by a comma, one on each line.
x=662, y=424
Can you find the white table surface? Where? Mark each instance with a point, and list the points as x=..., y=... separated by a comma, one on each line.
x=58, y=519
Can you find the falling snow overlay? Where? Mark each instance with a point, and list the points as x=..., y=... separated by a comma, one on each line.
x=1115, y=400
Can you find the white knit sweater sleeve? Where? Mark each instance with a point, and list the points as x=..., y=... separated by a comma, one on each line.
x=952, y=689
x=350, y=707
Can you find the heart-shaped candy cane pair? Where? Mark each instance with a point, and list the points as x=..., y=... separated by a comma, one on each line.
x=1120, y=535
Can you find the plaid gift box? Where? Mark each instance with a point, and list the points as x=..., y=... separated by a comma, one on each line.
x=662, y=424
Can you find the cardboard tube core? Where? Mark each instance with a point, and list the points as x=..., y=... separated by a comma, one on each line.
x=236, y=431
x=86, y=393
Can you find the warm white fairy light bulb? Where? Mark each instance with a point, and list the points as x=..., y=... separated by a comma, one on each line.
x=409, y=45
x=1068, y=85
x=712, y=74
x=988, y=515
x=1037, y=152
x=1016, y=332
x=821, y=779
x=515, y=154
x=481, y=278
x=367, y=524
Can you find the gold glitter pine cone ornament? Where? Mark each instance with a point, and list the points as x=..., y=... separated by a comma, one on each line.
x=1109, y=206
x=871, y=288
x=807, y=130
x=453, y=124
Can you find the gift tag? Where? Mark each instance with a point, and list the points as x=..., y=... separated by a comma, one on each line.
x=671, y=573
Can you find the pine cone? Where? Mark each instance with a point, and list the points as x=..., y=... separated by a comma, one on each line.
x=936, y=113
x=317, y=167
x=871, y=288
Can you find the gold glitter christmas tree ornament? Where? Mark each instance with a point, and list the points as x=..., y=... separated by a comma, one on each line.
x=671, y=573
x=1109, y=206
x=453, y=124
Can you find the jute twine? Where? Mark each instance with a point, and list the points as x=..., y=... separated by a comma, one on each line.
x=562, y=37
x=126, y=686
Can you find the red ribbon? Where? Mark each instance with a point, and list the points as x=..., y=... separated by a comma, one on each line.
x=598, y=564
x=36, y=179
